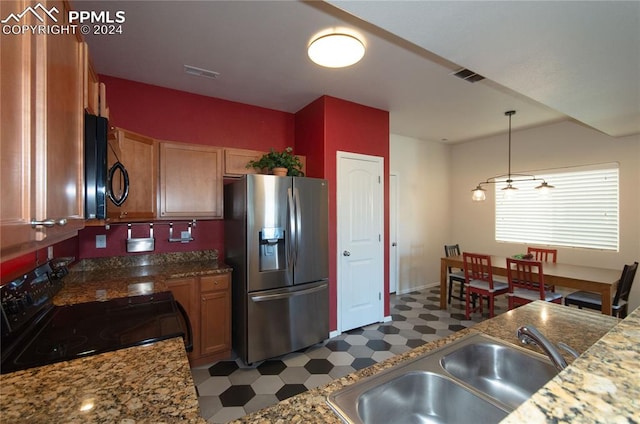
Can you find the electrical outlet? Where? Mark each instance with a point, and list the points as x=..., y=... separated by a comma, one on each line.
x=50, y=252
x=101, y=241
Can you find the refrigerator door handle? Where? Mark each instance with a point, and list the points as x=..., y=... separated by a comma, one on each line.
x=296, y=198
x=276, y=296
x=292, y=228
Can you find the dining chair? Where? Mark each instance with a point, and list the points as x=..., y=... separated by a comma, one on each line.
x=526, y=283
x=479, y=281
x=584, y=299
x=456, y=275
x=544, y=255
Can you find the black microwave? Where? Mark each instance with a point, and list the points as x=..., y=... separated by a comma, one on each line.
x=95, y=166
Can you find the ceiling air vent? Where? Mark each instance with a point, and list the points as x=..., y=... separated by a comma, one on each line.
x=468, y=75
x=199, y=72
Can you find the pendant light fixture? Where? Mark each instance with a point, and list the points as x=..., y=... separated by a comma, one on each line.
x=336, y=50
x=509, y=178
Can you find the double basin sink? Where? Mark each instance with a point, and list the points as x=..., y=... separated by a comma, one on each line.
x=476, y=378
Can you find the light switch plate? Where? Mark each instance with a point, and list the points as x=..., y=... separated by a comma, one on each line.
x=101, y=241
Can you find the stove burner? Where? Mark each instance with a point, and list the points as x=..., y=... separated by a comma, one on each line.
x=59, y=348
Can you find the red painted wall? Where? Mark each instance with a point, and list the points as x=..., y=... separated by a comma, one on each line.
x=339, y=125
x=167, y=114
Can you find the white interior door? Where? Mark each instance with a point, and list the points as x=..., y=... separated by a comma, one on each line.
x=393, y=232
x=360, y=211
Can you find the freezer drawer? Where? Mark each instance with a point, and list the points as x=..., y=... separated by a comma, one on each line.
x=280, y=321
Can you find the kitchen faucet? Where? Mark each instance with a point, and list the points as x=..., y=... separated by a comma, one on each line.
x=528, y=334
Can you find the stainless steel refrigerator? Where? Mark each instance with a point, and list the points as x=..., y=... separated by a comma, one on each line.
x=276, y=240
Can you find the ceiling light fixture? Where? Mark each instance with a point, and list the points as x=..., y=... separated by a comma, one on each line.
x=336, y=50
x=509, y=178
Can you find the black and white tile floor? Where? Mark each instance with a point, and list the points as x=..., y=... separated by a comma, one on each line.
x=229, y=389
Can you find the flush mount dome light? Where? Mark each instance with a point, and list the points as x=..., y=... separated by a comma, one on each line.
x=336, y=50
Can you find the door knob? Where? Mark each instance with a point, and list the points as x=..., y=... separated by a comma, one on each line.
x=346, y=253
x=394, y=244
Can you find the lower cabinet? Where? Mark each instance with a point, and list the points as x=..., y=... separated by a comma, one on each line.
x=207, y=301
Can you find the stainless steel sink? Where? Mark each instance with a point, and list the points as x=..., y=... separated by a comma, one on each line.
x=403, y=400
x=504, y=373
x=476, y=378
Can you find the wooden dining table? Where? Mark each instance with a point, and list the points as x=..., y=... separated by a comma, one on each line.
x=579, y=277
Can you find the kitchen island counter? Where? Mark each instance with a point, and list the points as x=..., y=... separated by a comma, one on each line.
x=579, y=329
x=143, y=384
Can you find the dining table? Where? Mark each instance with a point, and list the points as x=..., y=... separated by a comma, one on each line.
x=579, y=277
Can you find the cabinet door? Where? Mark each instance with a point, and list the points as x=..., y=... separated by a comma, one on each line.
x=59, y=164
x=185, y=291
x=190, y=181
x=236, y=160
x=215, y=330
x=17, y=135
x=139, y=155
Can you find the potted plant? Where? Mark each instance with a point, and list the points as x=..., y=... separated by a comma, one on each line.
x=279, y=163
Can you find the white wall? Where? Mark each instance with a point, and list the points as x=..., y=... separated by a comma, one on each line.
x=435, y=195
x=424, y=215
x=557, y=145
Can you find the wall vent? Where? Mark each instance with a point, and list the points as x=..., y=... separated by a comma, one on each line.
x=199, y=72
x=467, y=75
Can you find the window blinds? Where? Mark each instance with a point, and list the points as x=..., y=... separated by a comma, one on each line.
x=581, y=211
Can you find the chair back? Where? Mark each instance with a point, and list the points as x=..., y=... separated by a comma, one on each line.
x=477, y=266
x=451, y=250
x=525, y=274
x=543, y=255
x=625, y=283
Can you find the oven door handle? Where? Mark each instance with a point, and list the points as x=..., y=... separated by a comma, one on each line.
x=188, y=342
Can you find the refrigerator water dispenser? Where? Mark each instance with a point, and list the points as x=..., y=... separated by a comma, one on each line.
x=272, y=249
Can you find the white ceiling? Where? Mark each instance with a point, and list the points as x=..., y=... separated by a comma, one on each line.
x=549, y=61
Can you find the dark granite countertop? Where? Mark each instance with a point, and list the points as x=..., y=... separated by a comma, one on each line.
x=104, y=279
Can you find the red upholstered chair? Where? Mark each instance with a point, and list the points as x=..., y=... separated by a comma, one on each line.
x=543, y=255
x=526, y=283
x=479, y=282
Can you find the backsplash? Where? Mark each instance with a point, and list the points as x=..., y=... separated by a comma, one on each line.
x=144, y=260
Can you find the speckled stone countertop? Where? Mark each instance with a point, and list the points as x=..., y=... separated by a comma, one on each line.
x=579, y=329
x=602, y=385
x=144, y=384
x=104, y=279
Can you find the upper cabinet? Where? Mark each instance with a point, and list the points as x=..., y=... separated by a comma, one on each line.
x=236, y=160
x=139, y=156
x=190, y=181
x=41, y=128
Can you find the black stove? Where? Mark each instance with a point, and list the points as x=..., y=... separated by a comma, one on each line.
x=35, y=332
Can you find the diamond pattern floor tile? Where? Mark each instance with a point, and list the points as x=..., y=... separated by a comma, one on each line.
x=230, y=389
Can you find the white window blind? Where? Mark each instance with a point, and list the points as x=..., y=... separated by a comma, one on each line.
x=581, y=211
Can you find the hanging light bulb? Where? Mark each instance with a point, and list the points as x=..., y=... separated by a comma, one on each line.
x=509, y=191
x=478, y=194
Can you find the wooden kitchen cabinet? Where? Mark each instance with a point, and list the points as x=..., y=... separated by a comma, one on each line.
x=190, y=181
x=139, y=155
x=185, y=291
x=41, y=132
x=207, y=301
x=236, y=160
x=215, y=315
